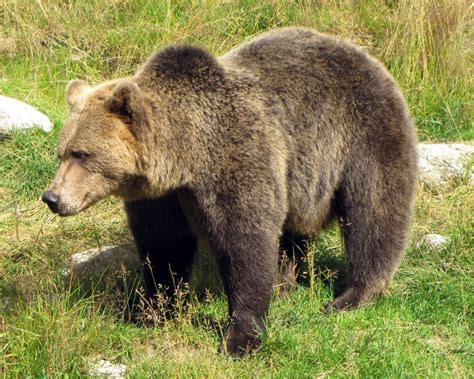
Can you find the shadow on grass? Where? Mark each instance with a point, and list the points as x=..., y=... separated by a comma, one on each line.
x=118, y=293
x=331, y=271
x=315, y=261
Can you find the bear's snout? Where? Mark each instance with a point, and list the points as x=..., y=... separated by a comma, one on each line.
x=50, y=198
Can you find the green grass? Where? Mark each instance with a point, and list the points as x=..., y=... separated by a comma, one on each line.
x=423, y=327
x=425, y=44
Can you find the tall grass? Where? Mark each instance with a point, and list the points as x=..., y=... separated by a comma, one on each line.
x=424, y=43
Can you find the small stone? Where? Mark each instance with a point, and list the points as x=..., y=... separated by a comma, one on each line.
x=108, y=369
x=439, y=164
x=16, y=115
x=434, y=242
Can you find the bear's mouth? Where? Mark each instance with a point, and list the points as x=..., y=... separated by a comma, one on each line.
x=71, y=209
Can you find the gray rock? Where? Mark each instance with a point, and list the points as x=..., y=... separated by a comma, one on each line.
x=16, y=115
x=441, y=163
x=107, y=369
x=434, y=242
x=107, y=264
x=104, y=265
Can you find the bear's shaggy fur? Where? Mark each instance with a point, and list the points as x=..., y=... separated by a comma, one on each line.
x=265, y=144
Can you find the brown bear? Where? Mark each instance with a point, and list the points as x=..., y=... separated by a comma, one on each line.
x=267, y=143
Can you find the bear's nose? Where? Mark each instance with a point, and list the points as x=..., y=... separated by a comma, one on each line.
x=52, y=200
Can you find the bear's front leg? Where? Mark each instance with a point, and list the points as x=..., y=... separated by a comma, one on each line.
x=248, y=265
x=165, y=244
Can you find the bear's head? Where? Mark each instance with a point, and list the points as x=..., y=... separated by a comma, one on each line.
x=136, y=137
x=98, y=146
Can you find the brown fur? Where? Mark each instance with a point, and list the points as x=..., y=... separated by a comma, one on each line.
x=275, y=138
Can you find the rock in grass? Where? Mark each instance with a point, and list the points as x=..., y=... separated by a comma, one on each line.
x=107, y=369
x=103, y=266
x=434, y=242
x=16, y=115
x=441, y=163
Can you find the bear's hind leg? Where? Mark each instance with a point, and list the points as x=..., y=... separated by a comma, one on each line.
x=165, y=243
x=375, y=213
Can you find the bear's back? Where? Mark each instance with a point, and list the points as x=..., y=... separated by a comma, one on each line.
x=327, y=89
x=303, y=58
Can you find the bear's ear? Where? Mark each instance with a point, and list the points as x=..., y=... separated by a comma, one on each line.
x=74, y=90
x=126, y=102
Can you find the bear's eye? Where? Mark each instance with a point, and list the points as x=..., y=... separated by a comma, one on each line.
x=81, y=155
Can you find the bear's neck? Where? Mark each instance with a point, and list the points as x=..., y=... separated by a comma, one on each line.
x=171, y=158
x=190, y=134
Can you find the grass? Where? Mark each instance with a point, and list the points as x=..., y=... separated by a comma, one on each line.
x=423, y=326
x=425, y=44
